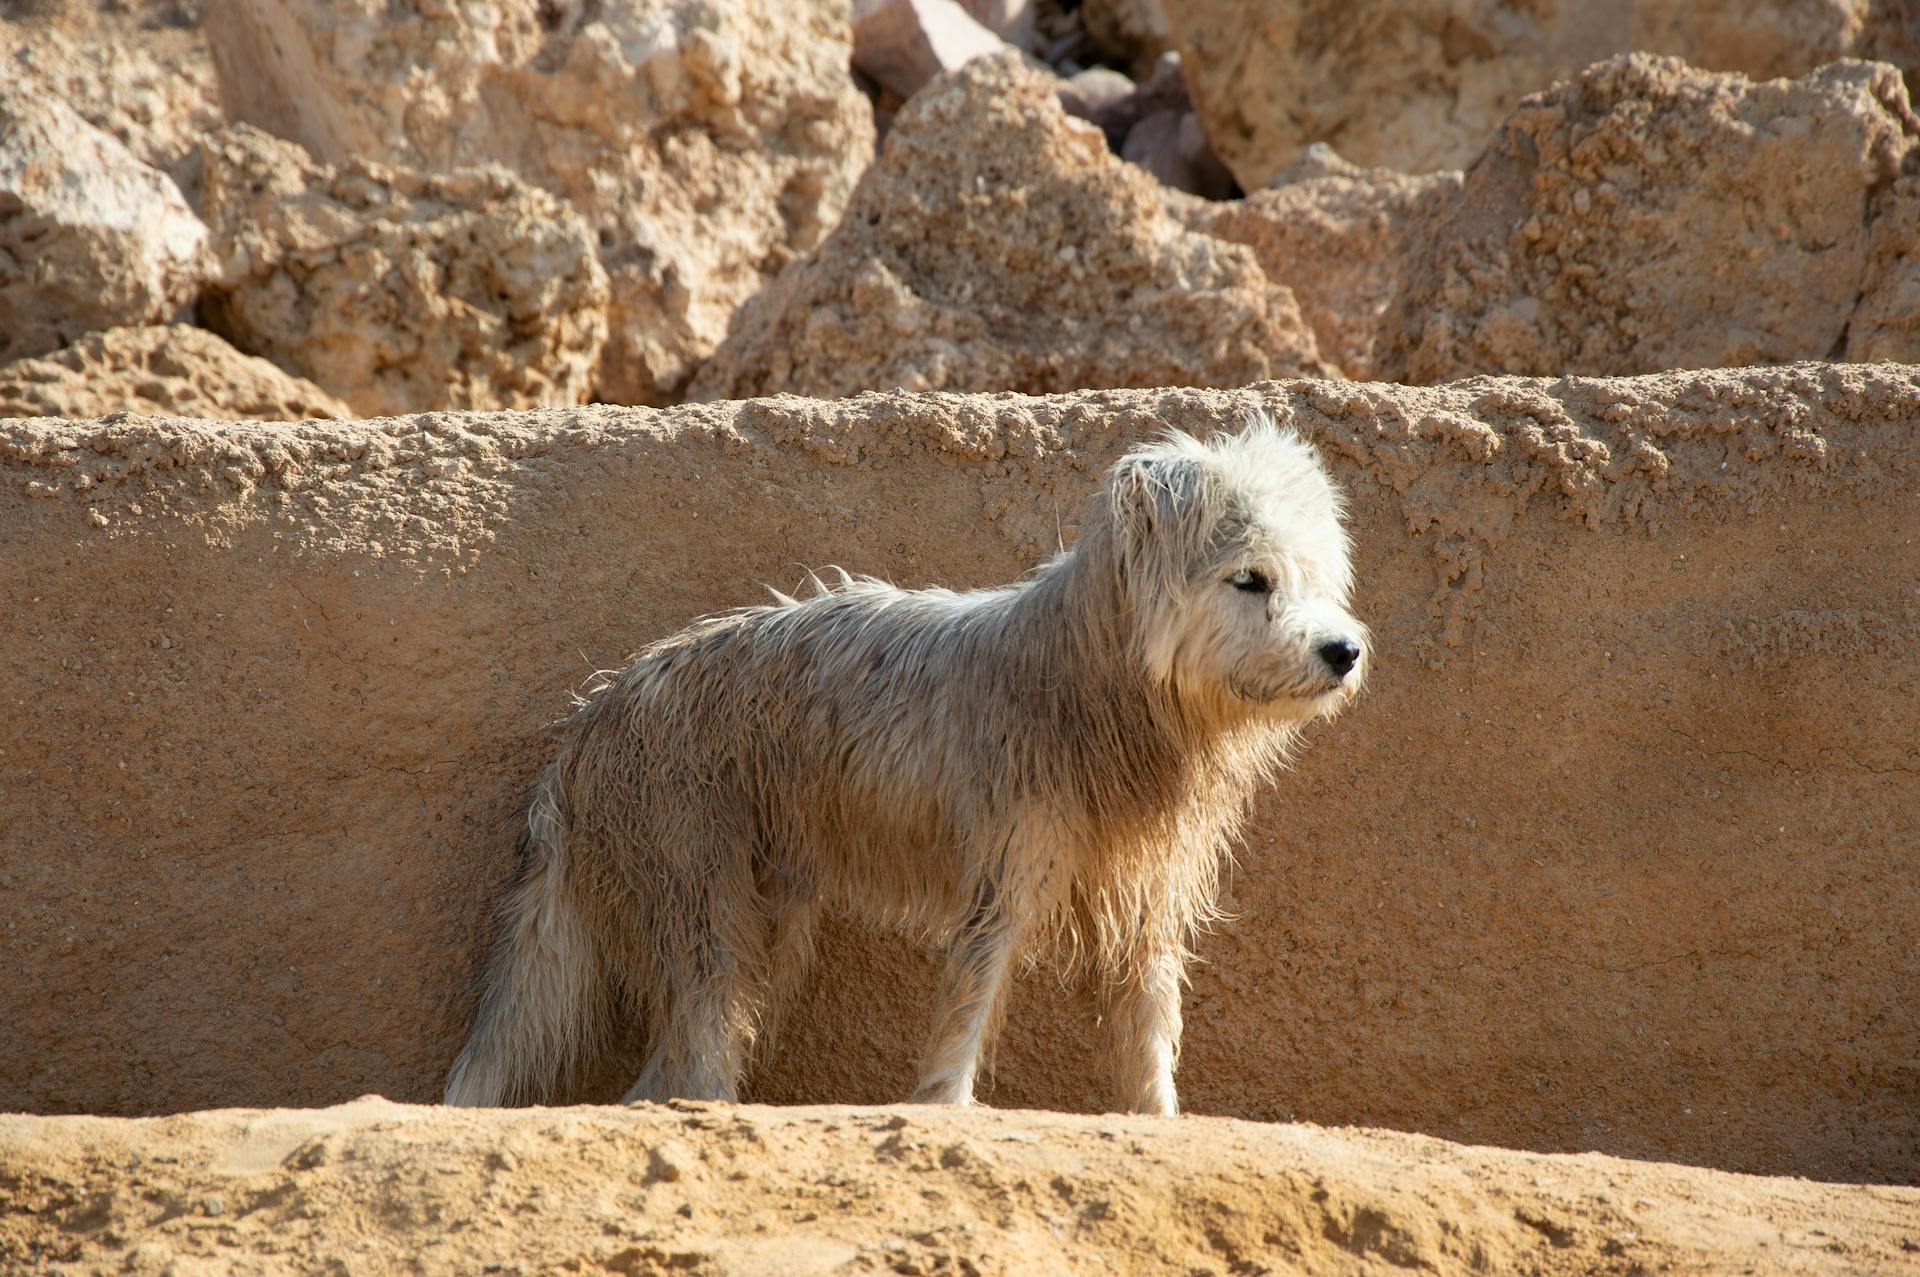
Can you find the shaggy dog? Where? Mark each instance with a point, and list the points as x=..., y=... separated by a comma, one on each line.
x=1056, y=766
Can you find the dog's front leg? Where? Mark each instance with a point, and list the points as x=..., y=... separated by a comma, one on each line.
x=973, y=994
x=1140, y=1005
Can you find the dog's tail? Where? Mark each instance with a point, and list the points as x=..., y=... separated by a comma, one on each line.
x=543, y=1001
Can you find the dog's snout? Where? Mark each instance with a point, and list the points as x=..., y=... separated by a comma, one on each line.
x=1340, y=655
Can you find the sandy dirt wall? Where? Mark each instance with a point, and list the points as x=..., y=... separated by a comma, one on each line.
x=374, y=1188
x=1617, y=853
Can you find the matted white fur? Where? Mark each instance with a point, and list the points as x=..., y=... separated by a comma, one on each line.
x=1055, y=767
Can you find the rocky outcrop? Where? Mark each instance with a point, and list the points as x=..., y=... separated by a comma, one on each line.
x=152, y=88
x=705, y=144
x=169, y=369
x=1615, y=853
x=1647, y=216
x=90, y=237
x=904, y=43
x=1886, y=323
x=1136, y=32
x=1417, y=86
x=377, y=1188
x=1340, y=237
x=997, y=245
x=399, y=291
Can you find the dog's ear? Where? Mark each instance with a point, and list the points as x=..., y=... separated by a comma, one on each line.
x=1133, y=498
x=1152, y=500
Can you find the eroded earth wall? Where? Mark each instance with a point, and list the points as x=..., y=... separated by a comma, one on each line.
x=1617, y=853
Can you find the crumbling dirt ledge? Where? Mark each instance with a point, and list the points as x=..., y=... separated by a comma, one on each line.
x=1618, y=853
x=373, y=1187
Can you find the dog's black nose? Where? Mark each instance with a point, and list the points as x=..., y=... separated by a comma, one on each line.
x=1340, y=655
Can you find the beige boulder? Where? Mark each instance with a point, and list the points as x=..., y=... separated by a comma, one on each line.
x=169, y=369
x=152, y=87
x=1340, y=237
x=1647, y=215
x=1418, y=86
x=705, y=142
x=904, y=43
x=1012, y=20
x=399, y=291
x=1886, y=324
x=90, y=237
x=998, y=245
x=1136, y=32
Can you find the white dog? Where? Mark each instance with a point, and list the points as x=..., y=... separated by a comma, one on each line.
x=1056, y=766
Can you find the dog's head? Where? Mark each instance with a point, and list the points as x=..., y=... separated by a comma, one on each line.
x=1235, y=571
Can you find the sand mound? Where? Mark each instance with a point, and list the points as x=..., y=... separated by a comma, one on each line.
x=373, y=1188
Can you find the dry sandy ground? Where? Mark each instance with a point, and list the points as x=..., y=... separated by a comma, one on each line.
x=374, y=1187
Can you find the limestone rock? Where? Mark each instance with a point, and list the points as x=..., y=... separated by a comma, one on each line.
x=904, y=43
x=1095, y=93
x=152, y=88
x=705, y=142
x=998, y=245
x=1011, y=20
x=1419, y=86
x=1172, y=145
x=1152, y=124
x=90, y=237
x=1134, y=31
x=1886, y=324
x=170, y=369
x=1339, y=236
x=1650, y=216
x=399, y=291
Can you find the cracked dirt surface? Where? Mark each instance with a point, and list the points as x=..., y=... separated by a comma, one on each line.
x=373, y=1187
x=1616, y=854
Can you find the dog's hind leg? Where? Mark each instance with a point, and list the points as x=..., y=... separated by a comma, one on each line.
x=716, y=1002
x=789, y=959
x=545, y=994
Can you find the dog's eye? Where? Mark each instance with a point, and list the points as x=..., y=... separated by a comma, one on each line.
x=1251, y=581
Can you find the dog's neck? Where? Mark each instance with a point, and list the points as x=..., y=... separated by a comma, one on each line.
x=1082, y=662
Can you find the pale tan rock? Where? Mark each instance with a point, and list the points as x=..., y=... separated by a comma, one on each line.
x=1624, y=819
x=1886, y=325
x=90, y=237
x=169, y=369
x=152, y=88
x=1172, y=145
x=1340, y=237
x=1136, y=32
x=1419, y=86
x=1649, y=216
x=997, y=244
x=705, y=143
x=379, y=1189
x=399, y=291
x=904, y=43
x=1095, y=93
x=1011, y=20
